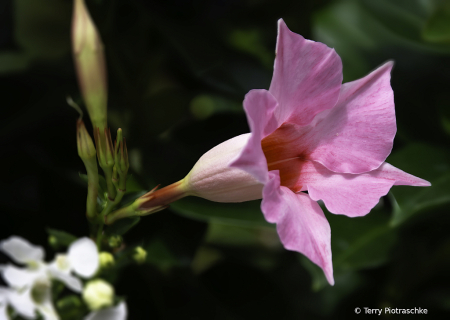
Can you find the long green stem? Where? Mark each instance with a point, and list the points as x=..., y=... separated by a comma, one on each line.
x=106, y=210
x=109, y=183
x=99, y=236
x=91, y=201
x=112, y=203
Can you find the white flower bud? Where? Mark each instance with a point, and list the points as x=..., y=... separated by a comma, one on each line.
x=106, y=260
x=98, y=294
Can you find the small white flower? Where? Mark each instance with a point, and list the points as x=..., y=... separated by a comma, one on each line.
x=3, y=304
x=31, y=286
x=20, y=301
x=81, y=258
x=118, y=312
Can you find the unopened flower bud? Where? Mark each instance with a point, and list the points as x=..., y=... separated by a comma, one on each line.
x=85, y=145
x=115, y=241
x=105, y=154
x=98, y=294
x=87, y=153
x=121, y=159
x=106, y=260
x=90, y=64
x=140, y=255
x=151, y=202
x=53, y=242
x=104, y=148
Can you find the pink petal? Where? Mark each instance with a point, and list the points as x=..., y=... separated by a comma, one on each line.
x=357, y=134
x=301, y=224
x=272, y=196
x=352, y=194
x=306, y=79
x=259, y=106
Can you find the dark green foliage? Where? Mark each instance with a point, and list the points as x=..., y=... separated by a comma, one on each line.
x=178, y=72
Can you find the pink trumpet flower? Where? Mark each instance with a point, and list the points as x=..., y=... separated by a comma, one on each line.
x=309, y=133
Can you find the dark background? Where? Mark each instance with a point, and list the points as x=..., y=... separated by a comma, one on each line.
x=178, y=71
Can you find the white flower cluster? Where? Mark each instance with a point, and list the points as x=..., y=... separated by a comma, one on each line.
x=29, y=288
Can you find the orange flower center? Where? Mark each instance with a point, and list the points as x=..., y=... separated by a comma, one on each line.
x=281, y=154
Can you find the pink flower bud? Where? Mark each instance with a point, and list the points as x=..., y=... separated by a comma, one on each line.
x=90, y=64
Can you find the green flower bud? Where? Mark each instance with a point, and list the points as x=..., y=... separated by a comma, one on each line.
x=121, y=160
x=87, y=153
x=140, y=255
x=85, y=145
x=53, y=242
x=105, y=154
x=90, y=64
x=106, y=260
x=104, y=148
x=115, y=241
x=98, y=294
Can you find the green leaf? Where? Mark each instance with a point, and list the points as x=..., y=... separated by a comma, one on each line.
x=204, y=105
x=62, y=238
x=133, y=185
x=233, y=235
x=362, y=242
x=122, y=226
x=319, y=281
x=70, y=307
x=244, y=214
x=251, y=41
x=404, y=18
x=356, y=244
x=437, y=27
x=13, y=62
x=358, y=28
x=429, y=163
x=339, y=27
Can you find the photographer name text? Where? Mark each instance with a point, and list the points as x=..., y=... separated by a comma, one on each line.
x=389, y=310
